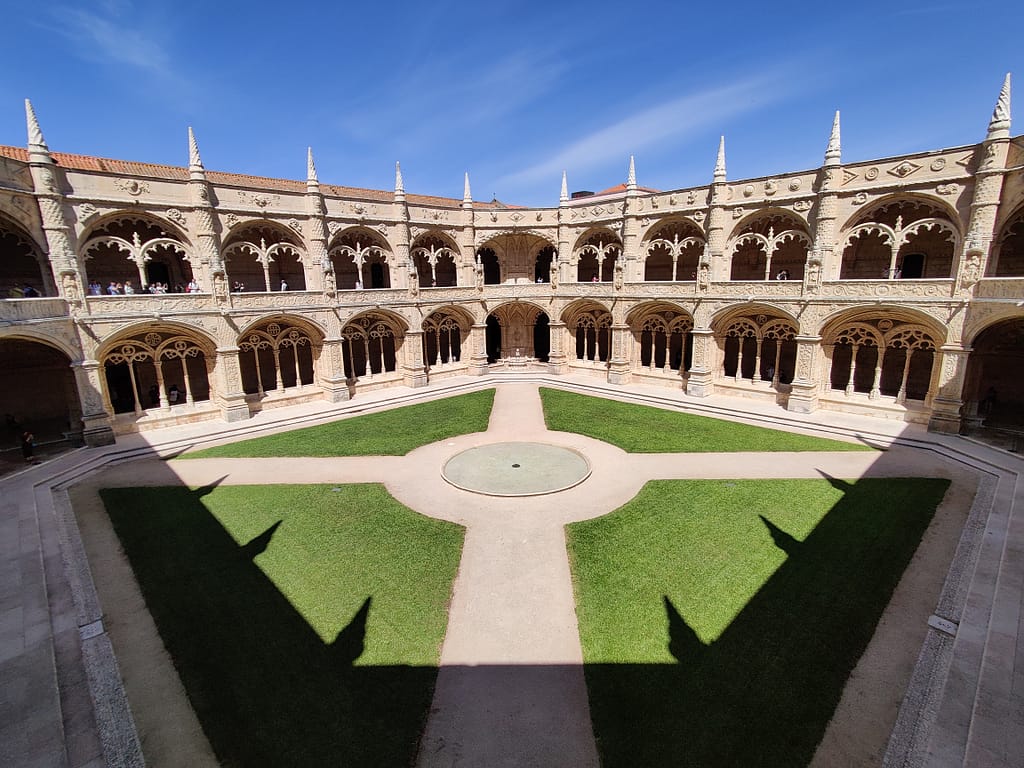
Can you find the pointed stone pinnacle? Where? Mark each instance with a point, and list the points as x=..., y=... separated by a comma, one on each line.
x=720, y=161
x=834, y=150
x=631, y=176
x=399, y=184
x=35, y=134
x=311, y=177
x=194, y=161
x=999, y=125
x=563, y=197
x=467, y=195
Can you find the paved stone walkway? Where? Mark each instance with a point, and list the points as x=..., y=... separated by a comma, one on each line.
x=510, y=690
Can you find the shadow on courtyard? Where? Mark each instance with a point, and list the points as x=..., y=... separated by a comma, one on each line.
x=269, y=691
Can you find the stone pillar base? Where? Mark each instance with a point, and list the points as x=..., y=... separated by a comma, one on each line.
x=619, y=373
x=945, y=416
x=803, y=398
x=415, y=378
x=234, y=411
x=699, y=384
x=97, y=434
x=478, y=366
x=336, y=391
x=558, y=365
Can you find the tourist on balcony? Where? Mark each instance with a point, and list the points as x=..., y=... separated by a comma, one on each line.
x=112, y=289
x=193, y=286
x=284, y=286
x=95, y=289
x=172, y=394
x=29, y=292
x=128, y=289
x=783, y=275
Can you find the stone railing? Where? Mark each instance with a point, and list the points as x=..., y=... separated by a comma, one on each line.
x=882, y=289
x=1000, y=288
x=17, y=310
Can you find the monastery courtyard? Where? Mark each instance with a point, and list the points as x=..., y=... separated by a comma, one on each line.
x=940, y=682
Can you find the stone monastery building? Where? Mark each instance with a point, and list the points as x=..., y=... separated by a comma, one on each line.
x=892, y=287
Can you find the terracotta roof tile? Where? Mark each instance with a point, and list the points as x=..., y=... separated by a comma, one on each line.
x=178, y=173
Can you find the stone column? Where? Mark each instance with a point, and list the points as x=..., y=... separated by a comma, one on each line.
x=700, y=383
x=227, y=390
x=331, y=371
x=803, y=395
x=478, y=346
x=97, y=426
x=414, y=373
x=951, y=360
x=557, y=362
x=618, y=367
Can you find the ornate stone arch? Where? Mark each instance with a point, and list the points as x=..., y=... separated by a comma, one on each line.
x=672, y=249
x=435, y=259
x=595, y=255
x=900, y=237
x=757, y=343
x=444, y=332
x=362, y=258
x=279, y=354
x=156, y=365
x=128, y=246
x=263, y=255
x=588, y=324
x=662, y=341
x=1008, y=248
x=769, y=243
x=880, y=355
x=370, y=344
x=22, y=261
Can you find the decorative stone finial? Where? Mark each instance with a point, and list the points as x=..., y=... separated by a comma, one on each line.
x=563, y=197
x=399, y=184
x=195, y=162
x=311, y=177
x=999, y=125
x=720, y=161
x=834, y=150
x=467, y=195
x=631, y=176
x=35, y=133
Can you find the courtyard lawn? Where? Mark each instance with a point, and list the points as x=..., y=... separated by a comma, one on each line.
x=387, y=433
x=643, y=429
x=720, y=619
x=305, y=621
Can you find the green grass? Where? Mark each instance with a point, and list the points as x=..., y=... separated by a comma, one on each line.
x=720, y=619
x=643, y=429
x=305, y=621
x=387, y=433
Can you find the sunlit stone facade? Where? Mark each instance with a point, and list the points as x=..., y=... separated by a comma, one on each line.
x=890, y=287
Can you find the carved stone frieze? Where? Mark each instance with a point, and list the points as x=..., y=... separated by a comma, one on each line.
x=903, y=170
x=133, y=187
x=178, y=217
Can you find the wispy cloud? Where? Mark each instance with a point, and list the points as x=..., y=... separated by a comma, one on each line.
x=671, y=120
x=103, y=35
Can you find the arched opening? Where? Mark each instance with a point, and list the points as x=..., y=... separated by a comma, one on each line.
x=759, y=348
x=370, y=347
x=276, y=357
x=881, y=358
x=22, y=267
x=123, y=253
x=900, y=239
x=541, y=338
x=673, y=252
x=37, y=392
x=596, y=257
x=160, y=368
x=492, y=269
x=771, y=246
x=263, y=257
x=542, y=267
x=360, y=260
x=442, y=340
x=1008, y=258
x=663, y=341
x=994, y=384
x=493, y=339
x=591, y=332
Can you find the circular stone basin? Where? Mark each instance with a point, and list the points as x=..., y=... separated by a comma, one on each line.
x=516, y=469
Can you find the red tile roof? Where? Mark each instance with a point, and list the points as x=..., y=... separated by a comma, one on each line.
x=178, y=173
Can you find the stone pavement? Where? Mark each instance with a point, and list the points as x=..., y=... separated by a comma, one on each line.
x=510, y=690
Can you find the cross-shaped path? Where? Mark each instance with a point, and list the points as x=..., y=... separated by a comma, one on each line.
x=510, y=690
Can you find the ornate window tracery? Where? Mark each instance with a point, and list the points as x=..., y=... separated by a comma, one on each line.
x=771, y=246
x=673, y=252
x=759, y=348
x=370, y=346
x=263, y=258
x=900, y=240
x=881, y=358
x=134, y=248
x=591, y=331
x=159, y=369
x=280, y=357
x=361, y=260
x=442, y=339
x=596, y=257
x=434, y=262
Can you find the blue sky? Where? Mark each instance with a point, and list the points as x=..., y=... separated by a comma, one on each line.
x=512, y=92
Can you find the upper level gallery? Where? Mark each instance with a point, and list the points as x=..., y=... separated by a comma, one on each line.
x=97, y=237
